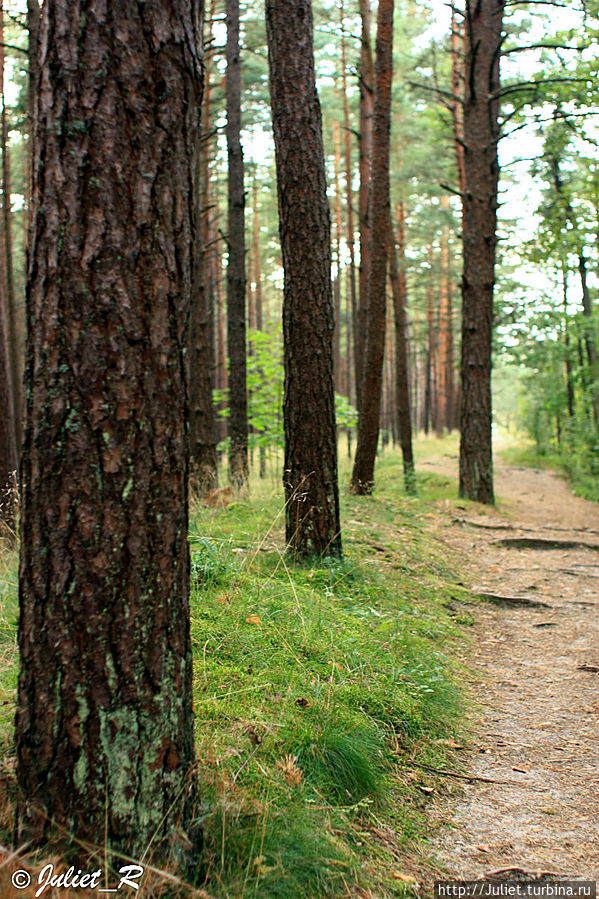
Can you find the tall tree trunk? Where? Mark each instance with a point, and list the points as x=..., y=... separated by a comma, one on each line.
x=104, y=726
x=352, y=319
x=310, y=476
x=33, y=28
x=589, y=337
x=14, y=335
x=236, y=327
x=484, y=23
x=8, y=437
x=430, y=355
x=256, y=250
x=445, y=373
x=366, y=138
x=337, y=281
x=362, y=480
x=202, y=416
x=402, y=389
x=258, y=295
x=566, y=331
x=457, y=90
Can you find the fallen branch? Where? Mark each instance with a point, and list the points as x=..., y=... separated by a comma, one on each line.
x=545, y=543
x=487, y=780
x=500, y=600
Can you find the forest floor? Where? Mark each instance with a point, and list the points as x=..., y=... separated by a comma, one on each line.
x=529, y=803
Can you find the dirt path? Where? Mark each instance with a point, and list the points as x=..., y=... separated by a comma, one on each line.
x=536, y=677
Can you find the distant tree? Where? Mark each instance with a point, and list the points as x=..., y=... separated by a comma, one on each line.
x=201, y=353
x=310, y=475
x=365, y=196
x=236, y=284
x=483, y=37
x=397, y=277
x=14, y=342
x=104, y=726
x=8, y=437
x=362, y=480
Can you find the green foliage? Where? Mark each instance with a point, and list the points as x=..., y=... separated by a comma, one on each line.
x=314, y=685
x=265, y=379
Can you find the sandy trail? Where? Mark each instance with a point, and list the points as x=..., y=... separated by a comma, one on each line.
x=536, y=678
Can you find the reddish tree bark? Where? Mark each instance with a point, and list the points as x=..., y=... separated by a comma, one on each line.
x=484, y=23
x=402, y=388
x=310, y=476
x=352, y=321
x=366, y=137
x=457, y=89
x=362, y=480
x=104, y=726
x=445, y=383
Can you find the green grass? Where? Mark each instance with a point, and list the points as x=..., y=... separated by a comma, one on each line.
x=319, y=689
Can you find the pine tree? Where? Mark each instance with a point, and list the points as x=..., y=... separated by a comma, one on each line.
x=104, y=727
x=310, y=475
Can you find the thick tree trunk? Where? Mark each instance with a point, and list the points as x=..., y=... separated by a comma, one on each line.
x=236, y=329
x=481, y=107
x=310, y=476
x=366, y=137
x=402, y=390
x=202, y=416
x=362, y=480
x=104, y=727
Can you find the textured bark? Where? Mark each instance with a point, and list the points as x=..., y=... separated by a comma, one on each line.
x=337, y=282
x=14, y=331
x=457, y=90
x=481, y=108
x=202, y=416
x=33, y=28
x=362, y=480
x=8, y=437
x=431, y=337
x=352, y=320
x=258, y=295
x=236, y=326
x=445, y=374
x=104, y=727
x=310, y=476
x=366, y=137
x=402, y=389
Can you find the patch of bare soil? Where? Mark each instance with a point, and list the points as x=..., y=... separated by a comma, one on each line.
x=535, y=679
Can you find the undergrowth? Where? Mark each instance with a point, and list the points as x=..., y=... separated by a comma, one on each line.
x=320, y=690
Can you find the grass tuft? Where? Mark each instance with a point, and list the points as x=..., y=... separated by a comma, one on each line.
x=316, y=688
